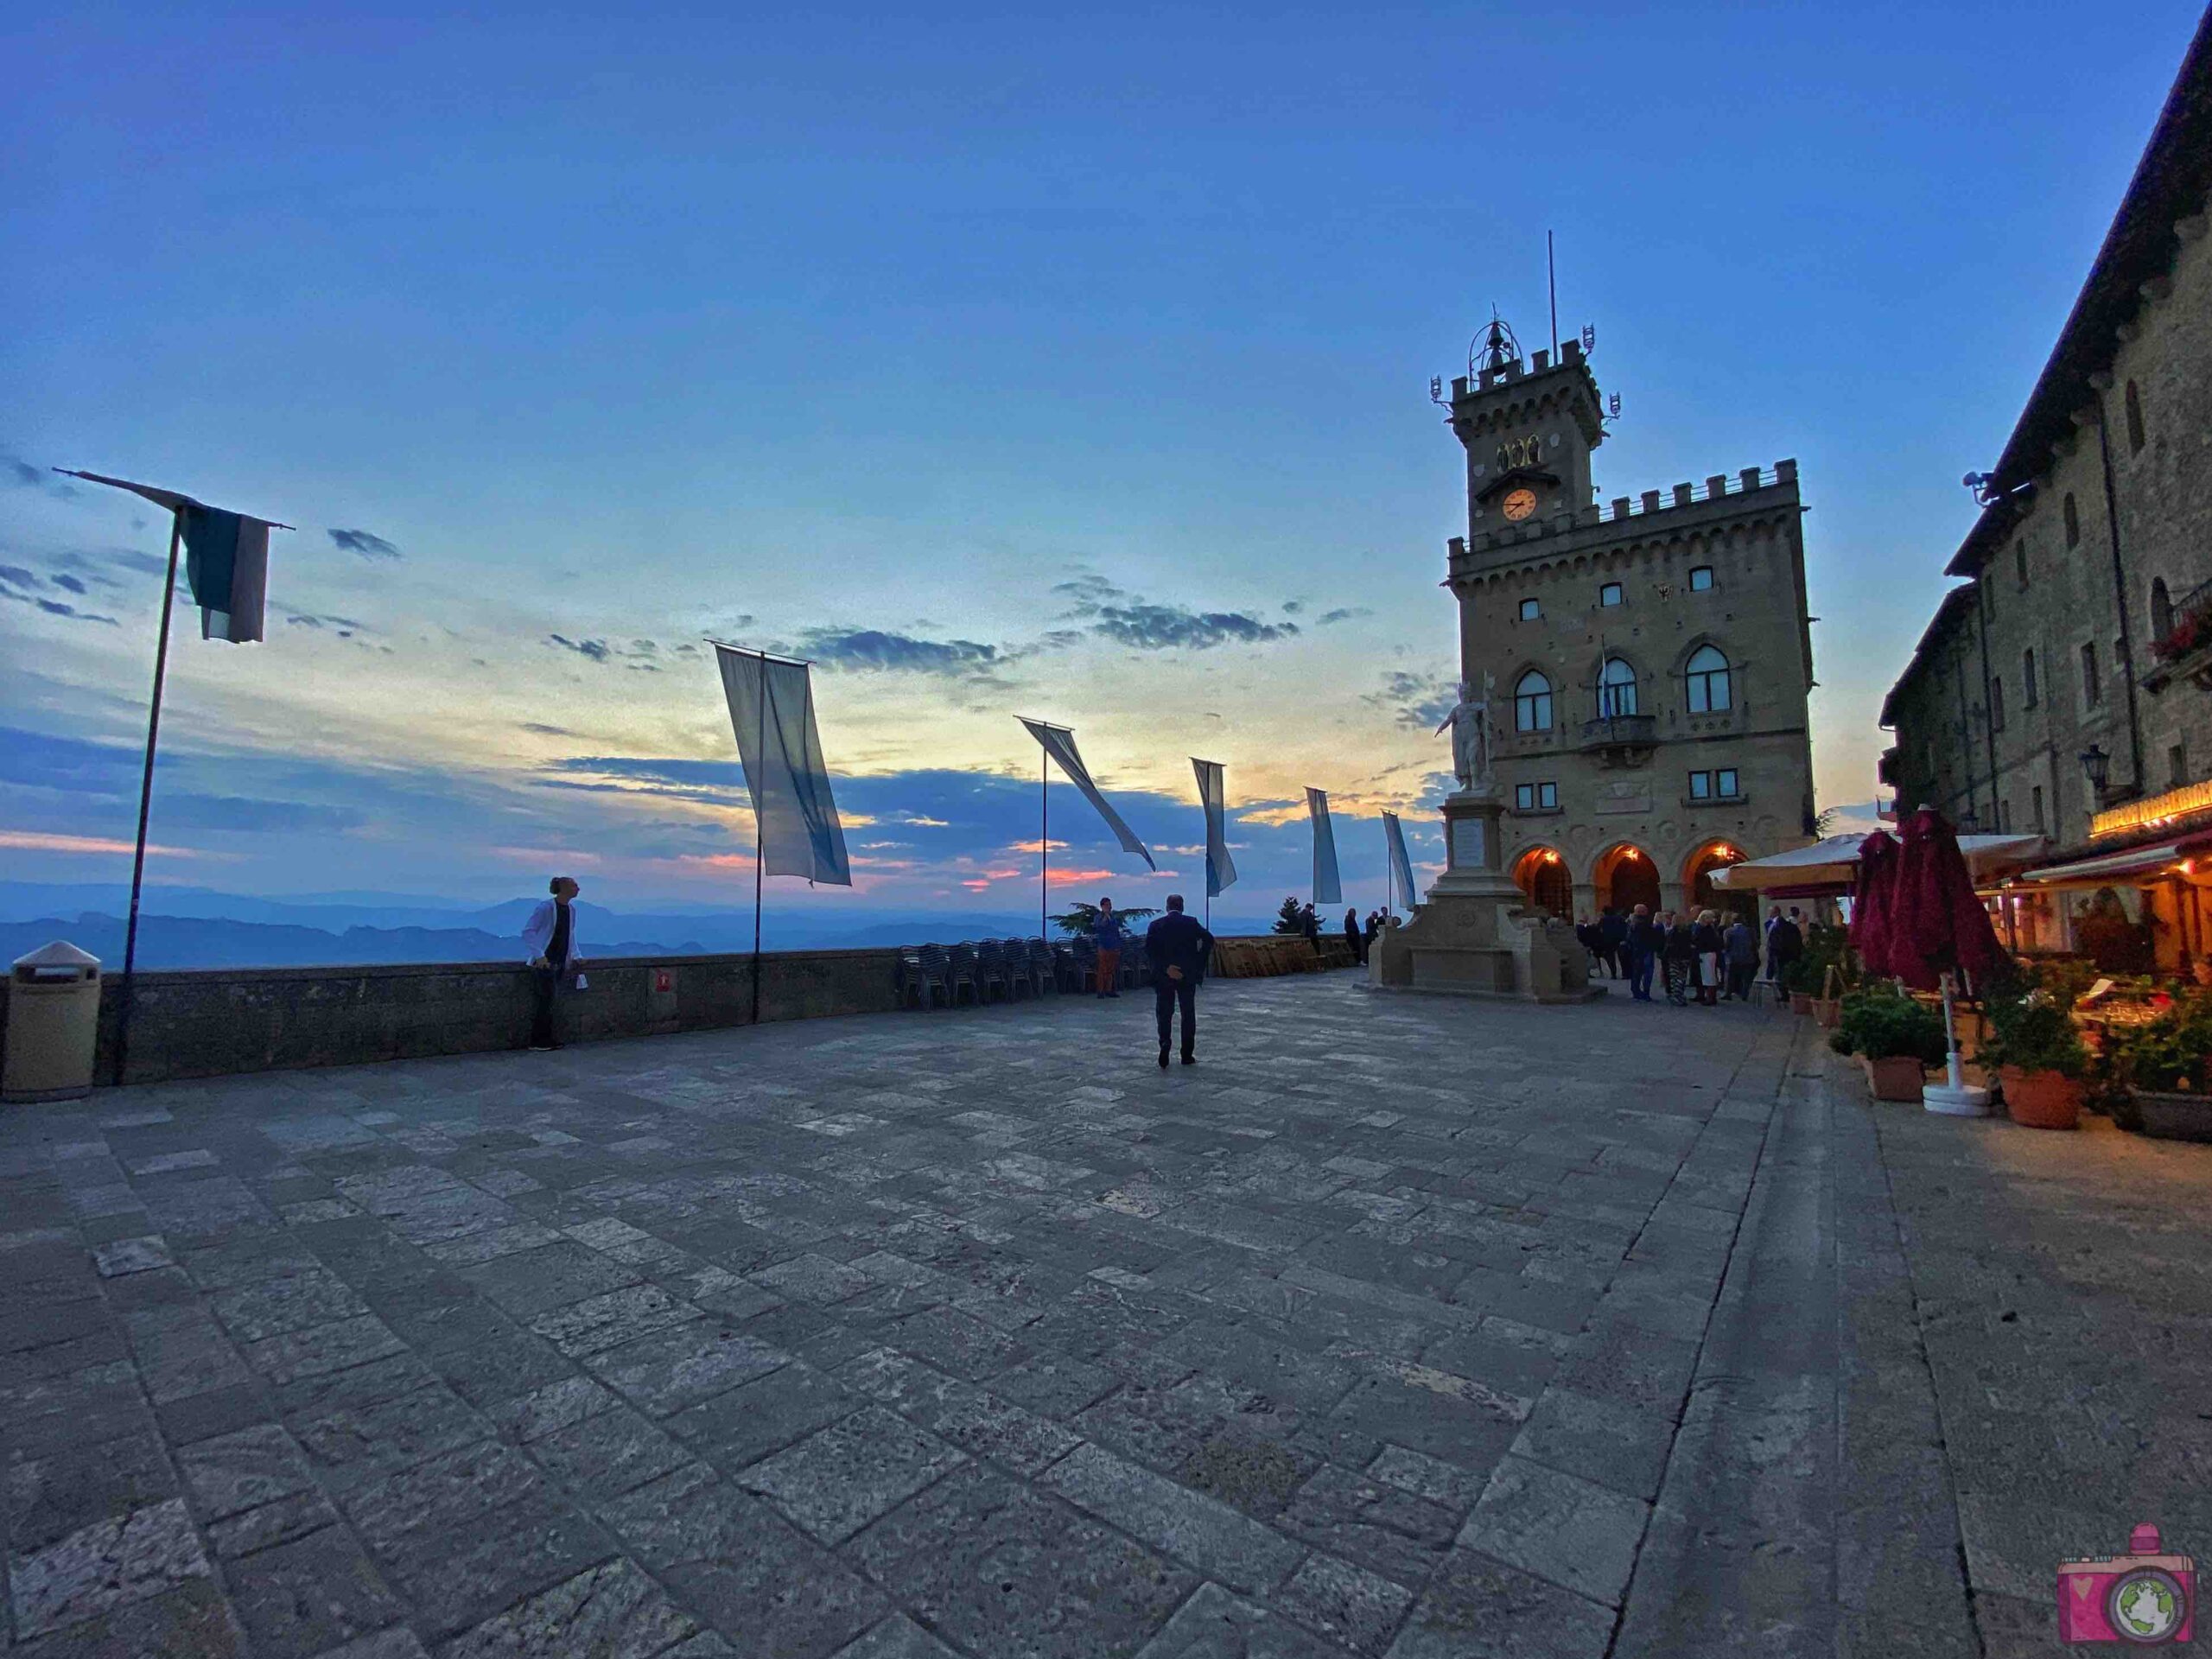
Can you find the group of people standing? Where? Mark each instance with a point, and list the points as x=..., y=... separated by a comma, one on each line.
x=1694, y=956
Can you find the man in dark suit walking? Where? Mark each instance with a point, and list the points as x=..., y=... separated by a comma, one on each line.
x=1179, y=950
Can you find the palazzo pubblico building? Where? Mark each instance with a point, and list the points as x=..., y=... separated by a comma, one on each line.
x=1648, y=659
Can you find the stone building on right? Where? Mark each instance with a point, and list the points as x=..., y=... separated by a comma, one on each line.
x=2065, y=687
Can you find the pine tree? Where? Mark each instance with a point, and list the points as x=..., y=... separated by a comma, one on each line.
x=1290, y=918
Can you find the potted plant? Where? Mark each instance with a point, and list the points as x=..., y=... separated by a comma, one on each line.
x=2168, y=1068
x=2040, y=1058
x=1896, y=1036
x=1803, y=979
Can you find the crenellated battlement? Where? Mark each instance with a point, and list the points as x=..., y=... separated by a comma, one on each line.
x=1720, y=487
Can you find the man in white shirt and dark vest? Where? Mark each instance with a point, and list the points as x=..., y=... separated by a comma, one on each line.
x=550, y=934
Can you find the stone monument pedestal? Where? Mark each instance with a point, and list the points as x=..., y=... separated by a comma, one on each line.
x=1476, y=936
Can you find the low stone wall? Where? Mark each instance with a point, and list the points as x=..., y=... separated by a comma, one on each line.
x=215, y=1022
x=207, y=1022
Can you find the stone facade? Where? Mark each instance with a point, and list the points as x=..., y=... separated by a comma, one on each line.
x=2085, y=623
x=1649, y=661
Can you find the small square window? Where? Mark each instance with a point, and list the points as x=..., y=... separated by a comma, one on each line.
x=1725, y=782
x=1701, y=786
x=1531, y=609
x=1700, y=578
x=1548, y=795
x=1610, y=595
x=1524, y=796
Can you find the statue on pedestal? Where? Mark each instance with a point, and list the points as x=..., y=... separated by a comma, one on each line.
x=1474, y=738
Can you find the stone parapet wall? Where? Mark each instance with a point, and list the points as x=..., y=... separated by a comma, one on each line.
x=218, y=1021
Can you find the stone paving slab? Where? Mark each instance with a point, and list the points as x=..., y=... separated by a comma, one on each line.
x=1395, y=1328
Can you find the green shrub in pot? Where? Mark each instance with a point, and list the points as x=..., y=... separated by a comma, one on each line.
x=1882, y=1022
x=2033, y=1033
x=2173, y=1053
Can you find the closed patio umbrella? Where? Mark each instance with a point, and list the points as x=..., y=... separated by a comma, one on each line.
x=1936, y=930
x=1873, y=901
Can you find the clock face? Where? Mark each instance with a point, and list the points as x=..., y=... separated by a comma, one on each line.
x=1520, y=503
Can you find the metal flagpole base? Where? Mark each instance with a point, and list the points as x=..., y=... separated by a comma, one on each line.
x=1963, y=1101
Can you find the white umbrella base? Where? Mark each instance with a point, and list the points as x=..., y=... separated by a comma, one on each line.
x=1963, y=1101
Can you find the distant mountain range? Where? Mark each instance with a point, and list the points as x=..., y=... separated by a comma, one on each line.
x=193, y=927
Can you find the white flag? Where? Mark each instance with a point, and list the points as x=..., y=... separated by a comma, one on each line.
x=1213, y=791
x=771, y=709
x=1400, y=862
x=1059, y=742
x=1328, y=887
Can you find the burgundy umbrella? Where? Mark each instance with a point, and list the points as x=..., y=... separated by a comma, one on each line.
x=1936, y=923
x=1873, y=901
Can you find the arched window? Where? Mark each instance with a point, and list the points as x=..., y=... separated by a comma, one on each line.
x=1709, y=675
x=1615, y=689
x=2162, y=610
x=1532, y=703
x=2134, y=419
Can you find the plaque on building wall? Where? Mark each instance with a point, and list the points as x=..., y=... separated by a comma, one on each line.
x=1469, y=850
x=1616, y=799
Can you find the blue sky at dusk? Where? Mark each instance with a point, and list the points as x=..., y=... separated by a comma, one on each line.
x=1002, y=363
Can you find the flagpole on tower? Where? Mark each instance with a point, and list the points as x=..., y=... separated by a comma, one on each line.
x=1043, y=839
x=146, y=801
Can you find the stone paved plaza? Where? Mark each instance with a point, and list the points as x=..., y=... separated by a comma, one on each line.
x=1397, y=1327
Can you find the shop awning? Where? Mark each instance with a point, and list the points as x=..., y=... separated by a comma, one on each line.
x=2136, y=863
x=1832, y=862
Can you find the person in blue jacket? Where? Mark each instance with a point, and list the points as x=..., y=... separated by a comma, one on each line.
x=1108, y=934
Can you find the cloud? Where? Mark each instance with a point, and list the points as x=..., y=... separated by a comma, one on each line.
x=32, y=840
x=1087, y=592
x=16, y=576
x=595, y=648
x=1169, y=627
x=1293, y=607
x=1416, y=701
x=543, y=730
x=20, y=474
x=363, y=542
x=241, y=816
x=69, y=584
x=1330, y=618
x=344, y=626
x=872, y=650
x=55, y=607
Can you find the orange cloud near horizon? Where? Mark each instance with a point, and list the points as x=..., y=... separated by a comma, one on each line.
x=32, y=840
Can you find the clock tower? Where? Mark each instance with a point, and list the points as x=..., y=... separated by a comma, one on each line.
x=1528, y=428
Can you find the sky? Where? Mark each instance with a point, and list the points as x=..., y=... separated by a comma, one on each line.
x=1000, y=364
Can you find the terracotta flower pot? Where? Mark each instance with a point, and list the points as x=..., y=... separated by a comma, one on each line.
x=1801, y=1002
x=2042, y=1099
x=1894, y=1076
x=1827, y=1012
x=2174, y=1117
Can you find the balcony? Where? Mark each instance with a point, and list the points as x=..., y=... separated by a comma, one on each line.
x=1621, y=738
x=2184, y=650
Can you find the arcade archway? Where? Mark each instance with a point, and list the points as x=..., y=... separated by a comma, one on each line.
x=1540, y=874
x=1697, y=880
x=1626, y=877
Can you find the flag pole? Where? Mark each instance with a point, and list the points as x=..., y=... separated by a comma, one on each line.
x=1044, y=837
x=146, y=801
x=761, y=748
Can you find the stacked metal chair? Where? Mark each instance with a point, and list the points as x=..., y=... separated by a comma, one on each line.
x=923, y=970
x=1037, y=959
x=962, y=969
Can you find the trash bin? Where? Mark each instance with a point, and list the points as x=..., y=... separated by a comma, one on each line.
x=53, y=1023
